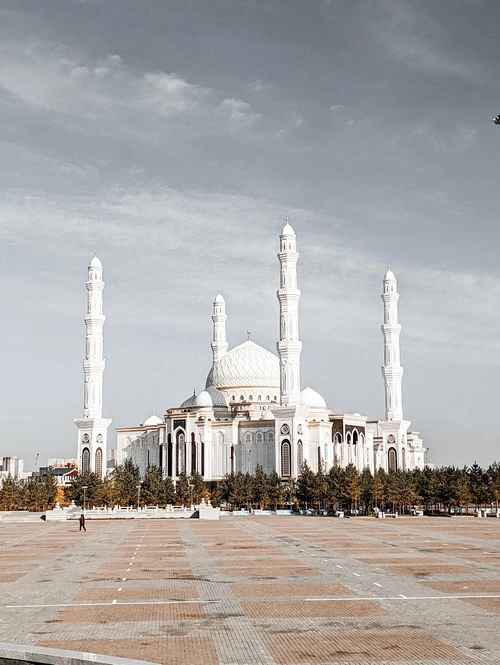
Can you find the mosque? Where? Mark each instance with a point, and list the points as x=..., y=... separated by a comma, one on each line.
x=252, y=410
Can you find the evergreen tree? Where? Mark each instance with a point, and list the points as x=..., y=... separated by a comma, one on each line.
x=334, y=486
x=153, y=487
x=126, y=478
x=93, y=492
x=493, y=472
x=260, y=487
x=9, y=494
x=199, y=489
x=182, y=490
x=478, y=483
x=319, y=487
x=366, y=483
x=305, y=485
x=276, y=490
x=169, y=491
x=352, y=485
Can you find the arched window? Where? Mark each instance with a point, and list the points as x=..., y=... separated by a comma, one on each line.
x=242, y=399
x=260, y=437
x=259, y=398
x=248, y=438
x=270, y=437
x=300, y=456
x=250, y=398
x=193, y=454
x=85, y=460
x=403, y=458
x=180, y=452
x=337, y=437
x=392, y=459
x=169, y=456
x=285, y=459
x=267, y=398
x=232, y=459
x=98, y=462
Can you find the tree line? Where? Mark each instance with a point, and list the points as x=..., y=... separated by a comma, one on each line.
x=338, y=488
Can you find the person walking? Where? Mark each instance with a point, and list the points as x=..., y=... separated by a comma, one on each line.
x=82, y=522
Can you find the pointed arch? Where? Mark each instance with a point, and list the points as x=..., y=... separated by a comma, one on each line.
x=98, y=462
x=85, y=460
x=392, y=459
x=285, y=458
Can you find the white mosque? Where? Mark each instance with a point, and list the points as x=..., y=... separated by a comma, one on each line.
x=252, y=410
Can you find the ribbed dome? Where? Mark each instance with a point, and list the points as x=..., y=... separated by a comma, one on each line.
x=218, y=398
x=389, y=275
x=189, y=402
x=95, y=263
x=311, y=398
x=246, y=366
x=152, y=420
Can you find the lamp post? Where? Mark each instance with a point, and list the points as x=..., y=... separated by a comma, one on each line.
x=191, y=488
x=84, y=488
x=138, y=495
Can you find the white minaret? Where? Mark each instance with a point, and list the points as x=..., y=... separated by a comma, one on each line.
x=391, y=369
x=93, y=428
x=289, y=346
x=219, y=343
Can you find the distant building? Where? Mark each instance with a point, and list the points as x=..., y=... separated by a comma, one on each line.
x=62, y=474
x=13, y=466
x=59, y=462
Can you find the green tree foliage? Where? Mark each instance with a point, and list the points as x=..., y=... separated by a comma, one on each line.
x=305, y=485
x=93, y=492
x=10, y=494
x=153, y=488
x=126, y=477
x=198, y=487
x=182, y=491
x=260, y=487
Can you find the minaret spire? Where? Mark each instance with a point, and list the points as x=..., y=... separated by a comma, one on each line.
x=392, y=369
x=289, y=345
x=92, y=428
x=219, y=343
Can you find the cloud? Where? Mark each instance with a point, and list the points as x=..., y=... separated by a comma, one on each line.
x=259, y=86
x=419, y=41
x=107, y=97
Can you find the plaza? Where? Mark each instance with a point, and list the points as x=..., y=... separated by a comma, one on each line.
x=256, y=589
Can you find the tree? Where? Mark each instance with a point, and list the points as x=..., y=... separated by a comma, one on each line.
x=126, y=478
x=168, y=491
x=93, y=489
x=275, y=489
x=199, y=489
x=9, y=494
x=352, y=485
x=366, y=486
x=305, y=485
x=478, y=482
x=334, y=486
x=153, y=487
x=260, y=487
x=494, y=482
x=182, y=491
x=319, y=487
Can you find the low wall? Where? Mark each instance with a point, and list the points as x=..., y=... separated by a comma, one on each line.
x=21, y=654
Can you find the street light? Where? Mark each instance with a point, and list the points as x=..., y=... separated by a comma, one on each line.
x=138, y=495
x=84, y=488
x=191, y=487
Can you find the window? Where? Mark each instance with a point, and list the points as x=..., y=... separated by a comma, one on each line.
x=285, y=459
x=98, y=462
x=392, y=458
x=85, y=460
x=169, y=455
x=193, y=454
x=300, y=456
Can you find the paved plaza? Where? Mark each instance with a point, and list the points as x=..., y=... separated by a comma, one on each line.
x=285, y=590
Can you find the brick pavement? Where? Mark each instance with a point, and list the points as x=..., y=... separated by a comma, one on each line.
x=257, y=589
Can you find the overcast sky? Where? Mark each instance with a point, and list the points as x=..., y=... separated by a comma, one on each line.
x=173, y=136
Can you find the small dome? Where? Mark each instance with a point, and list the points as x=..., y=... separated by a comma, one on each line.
x=309, y=397
x=389, y=275
x=95, y=263
x=152, y=420
x=218, y=397
x=219, y=298
x=287, y=230
x=203, y=399
x=189, y=402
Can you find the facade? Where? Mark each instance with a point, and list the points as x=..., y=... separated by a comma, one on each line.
x=253, y=411
x=93, y=428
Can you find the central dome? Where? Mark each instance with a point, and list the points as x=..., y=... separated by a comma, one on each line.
x=246, y=366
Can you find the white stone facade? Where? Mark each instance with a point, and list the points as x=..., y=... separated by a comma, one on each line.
x=253, y=412
x=93, y=428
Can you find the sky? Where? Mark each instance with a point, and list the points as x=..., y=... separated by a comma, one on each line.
x=172, y=137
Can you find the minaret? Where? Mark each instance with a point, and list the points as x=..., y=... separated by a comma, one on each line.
x=92, y=428
x=391, y=369
x=289, y=346
x=219, y=343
